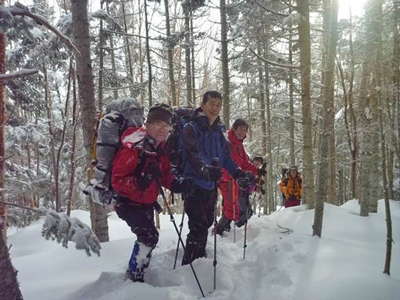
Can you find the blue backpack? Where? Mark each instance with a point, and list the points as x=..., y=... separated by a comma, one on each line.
x=181, y=117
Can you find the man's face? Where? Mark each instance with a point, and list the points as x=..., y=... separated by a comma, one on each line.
x=241, y=132
x=159, y=130
x=212, y=108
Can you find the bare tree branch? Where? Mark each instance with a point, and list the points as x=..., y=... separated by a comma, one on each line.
x=21, y=206
x=270, y=10
x=23, y=72
x=276, y=64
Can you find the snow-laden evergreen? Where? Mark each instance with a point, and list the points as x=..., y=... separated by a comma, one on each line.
x=346, y=263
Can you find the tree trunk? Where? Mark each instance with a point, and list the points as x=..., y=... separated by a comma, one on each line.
x=3, y=209
x=270, y=178
x=396, y=70
x=305, y=65
x=225, y=63
x=188, y=65
x=170, y=53
x=101, y=64
x=150, y=76
x=128, y=52
x=73, y=146
x=389, y=235
x=390, y=173
x=351, y=127
x=341, y=189
x=364, y=176
x=113, y=66
x=55, y=170
x=328, y=79
x=370, y=174
x=141, y=57
x=261, y=99
x=9, y=288
x=80, y=27
x=291, y=98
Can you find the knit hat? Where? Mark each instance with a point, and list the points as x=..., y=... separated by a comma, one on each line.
x=160, y=112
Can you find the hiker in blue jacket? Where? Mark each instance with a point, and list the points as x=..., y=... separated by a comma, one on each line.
x=205, y=153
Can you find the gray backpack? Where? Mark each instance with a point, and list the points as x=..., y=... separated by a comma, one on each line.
x=120, y=114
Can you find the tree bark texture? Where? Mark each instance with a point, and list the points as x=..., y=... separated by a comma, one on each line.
x=149, y=72
x=80, y=27
x=305, y=69
x=3, y=211
x=291, y=100
x=188, y=64
x=270, y=178
x=261, y=99
x=389, y=234
x=225, y=63
x=170, y=53
x=326, y=153
x=370, y=170
x=49, y=109
x=9, y=288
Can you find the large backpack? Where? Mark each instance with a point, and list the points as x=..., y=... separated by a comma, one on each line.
x=120, y=114
x=181, y=116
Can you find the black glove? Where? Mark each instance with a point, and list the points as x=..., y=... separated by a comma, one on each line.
x=245, y=180
x=211, y=173
x=181, y=185
x=151, y=172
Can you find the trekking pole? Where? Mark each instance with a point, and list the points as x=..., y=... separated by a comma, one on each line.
x=171, y=216
x=245, y=241
x=215, y=162
x=215, y=247
x=234, y=224
x=180, y=233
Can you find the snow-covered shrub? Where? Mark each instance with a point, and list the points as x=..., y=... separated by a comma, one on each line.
x=62, y=228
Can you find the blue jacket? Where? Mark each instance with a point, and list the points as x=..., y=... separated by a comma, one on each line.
x=202, y=144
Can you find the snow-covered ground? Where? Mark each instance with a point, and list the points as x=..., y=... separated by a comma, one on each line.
x=346, y=263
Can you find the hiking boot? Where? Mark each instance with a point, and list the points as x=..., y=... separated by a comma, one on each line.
x=137, y=276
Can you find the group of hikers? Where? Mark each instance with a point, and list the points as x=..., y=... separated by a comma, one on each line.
x=145, y=161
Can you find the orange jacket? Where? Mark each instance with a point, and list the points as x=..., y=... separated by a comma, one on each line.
x=291, y=186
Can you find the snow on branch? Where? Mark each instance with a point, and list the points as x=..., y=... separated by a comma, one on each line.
x=276, y=64
x=62, y=228
x=270, y=10
x=21, y=73
x=7, y=14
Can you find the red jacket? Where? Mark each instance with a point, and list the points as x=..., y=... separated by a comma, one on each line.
x=123, y=179
x=228, y=186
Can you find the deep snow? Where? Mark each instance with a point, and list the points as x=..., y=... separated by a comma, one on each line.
x=346, y=263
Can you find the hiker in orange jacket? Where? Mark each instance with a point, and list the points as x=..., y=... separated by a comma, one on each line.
x=291, y=187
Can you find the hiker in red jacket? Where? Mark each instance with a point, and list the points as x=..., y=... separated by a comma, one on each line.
x=235, y=200
x=139, y=168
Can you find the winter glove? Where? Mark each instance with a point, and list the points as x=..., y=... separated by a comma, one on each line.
x=245, y=180
x=151, y=172
x=181, y=185
x=211, y=173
